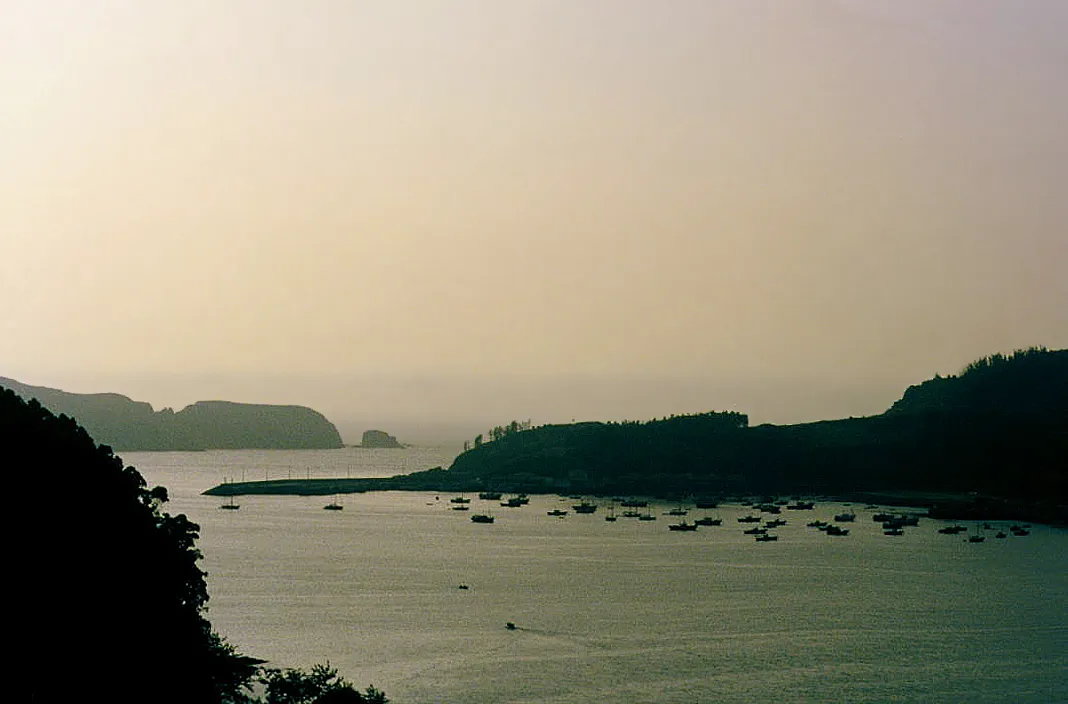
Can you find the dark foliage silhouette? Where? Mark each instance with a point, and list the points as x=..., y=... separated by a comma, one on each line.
x=320, y=685
x=1000, y=428
x=110, y=600
x=107, y=599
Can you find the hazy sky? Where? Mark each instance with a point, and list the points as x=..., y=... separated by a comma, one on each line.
x=479, y=210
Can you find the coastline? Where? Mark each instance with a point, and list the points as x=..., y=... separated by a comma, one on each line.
x=941, y=505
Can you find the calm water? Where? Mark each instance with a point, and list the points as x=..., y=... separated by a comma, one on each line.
x=622, y=612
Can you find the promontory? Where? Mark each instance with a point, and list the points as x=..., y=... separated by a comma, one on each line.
x=124, y=424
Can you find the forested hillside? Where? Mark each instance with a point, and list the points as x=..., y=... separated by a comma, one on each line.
x=998, y=428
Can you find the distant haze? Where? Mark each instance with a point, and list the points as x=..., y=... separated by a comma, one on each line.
x=450, y=214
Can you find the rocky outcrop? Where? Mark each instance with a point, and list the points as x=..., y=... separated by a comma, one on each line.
x=125, y=424
x=379, y=438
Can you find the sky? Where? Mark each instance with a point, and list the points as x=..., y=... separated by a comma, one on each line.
x=455, y=213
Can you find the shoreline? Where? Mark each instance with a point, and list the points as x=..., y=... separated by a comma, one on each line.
x=940, y=505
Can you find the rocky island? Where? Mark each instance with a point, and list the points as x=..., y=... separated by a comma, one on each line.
x=379, y=439
x=124, y=424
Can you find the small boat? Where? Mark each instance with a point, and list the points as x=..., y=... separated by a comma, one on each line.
x=463, y=586
x=893, y=531
x=556, y=512
x=461, y=507
x=611, y=516
x=766, y=538
x=846, y=517
x=333, y=506
x=459, y=500
x=705, y=503
x=755, y=531
x=709, y=521
x=230, y=505
x=585, y=507
x=632, y=514
x=822, y=525
x=647, y=517
x=680, y=511
x=633, y=503
x=802, y=506
x=775, y=523
x=836, y=530
x=1001, y=534
x=976, y=538
x=510, y=626
x=952, y=530
x=482, y=518
x=490, y=495
x=684, y=526
x=750, y=519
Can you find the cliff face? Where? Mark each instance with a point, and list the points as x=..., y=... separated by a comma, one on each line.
x=125, y=424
